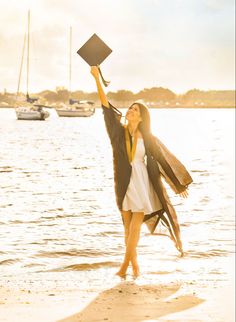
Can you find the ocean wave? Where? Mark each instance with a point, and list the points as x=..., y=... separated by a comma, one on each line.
x=57, y=216
x=206, y=254
x=85, y=266
x=6, y=205
x=70, y=253
x=9, y=261
x=6, y=169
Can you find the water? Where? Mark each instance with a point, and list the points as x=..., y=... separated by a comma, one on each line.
x=57, y=205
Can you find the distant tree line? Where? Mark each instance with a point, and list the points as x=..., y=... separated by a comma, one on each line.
x=154, y=97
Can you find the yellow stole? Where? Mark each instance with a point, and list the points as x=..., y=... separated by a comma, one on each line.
x=130, y=150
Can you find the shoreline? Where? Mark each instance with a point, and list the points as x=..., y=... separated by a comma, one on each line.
x=157, y=108
x=62, y=300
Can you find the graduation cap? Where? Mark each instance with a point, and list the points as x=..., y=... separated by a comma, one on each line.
x=94, y=52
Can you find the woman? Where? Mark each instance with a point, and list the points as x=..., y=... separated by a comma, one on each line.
x=140, y=193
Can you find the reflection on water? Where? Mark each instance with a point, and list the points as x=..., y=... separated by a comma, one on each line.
x=58, y=211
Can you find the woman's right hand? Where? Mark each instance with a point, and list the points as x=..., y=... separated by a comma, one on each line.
x=95, y=72
x=184, y=194
x=102, y=96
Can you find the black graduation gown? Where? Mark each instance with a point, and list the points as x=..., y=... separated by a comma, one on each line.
x=160, y=163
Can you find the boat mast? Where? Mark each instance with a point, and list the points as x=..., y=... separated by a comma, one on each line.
x=70, y=57
x=28, y=48
x=21, y=65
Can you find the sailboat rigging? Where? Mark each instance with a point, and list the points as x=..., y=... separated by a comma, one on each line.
x=30, y=110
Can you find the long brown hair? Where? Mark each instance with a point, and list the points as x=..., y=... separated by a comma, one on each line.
x=145, y=125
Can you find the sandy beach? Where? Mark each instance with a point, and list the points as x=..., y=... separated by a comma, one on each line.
x=127, y=300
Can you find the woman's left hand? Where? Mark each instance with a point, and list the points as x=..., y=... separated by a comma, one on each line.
x=184, y=194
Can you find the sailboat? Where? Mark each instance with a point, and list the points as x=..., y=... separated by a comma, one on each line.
x=75, y=108
x=29, y=110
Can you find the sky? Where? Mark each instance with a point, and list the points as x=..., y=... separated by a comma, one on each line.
x=176, y=44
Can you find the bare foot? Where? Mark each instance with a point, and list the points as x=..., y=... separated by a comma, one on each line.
x=122, y=271
x=121, y=274
x=136, y=271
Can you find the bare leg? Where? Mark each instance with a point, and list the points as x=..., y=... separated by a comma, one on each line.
x=135, y=227
x=127, y=216
x=132, y=242
x=134, y=263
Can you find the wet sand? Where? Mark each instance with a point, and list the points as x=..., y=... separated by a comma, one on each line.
x=64, y=300
x=124, y=302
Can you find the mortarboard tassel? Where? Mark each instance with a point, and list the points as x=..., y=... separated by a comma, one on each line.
x=106, y=83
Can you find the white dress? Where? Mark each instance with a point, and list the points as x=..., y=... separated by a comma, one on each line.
x=140, y=195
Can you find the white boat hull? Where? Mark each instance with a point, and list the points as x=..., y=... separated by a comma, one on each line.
x=31, y=115
x=75, y=112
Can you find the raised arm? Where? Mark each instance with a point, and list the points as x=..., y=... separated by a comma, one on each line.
x=112, y=116
x=102, y=96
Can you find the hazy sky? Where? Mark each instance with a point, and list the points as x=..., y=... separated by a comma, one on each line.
x=178, y=44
